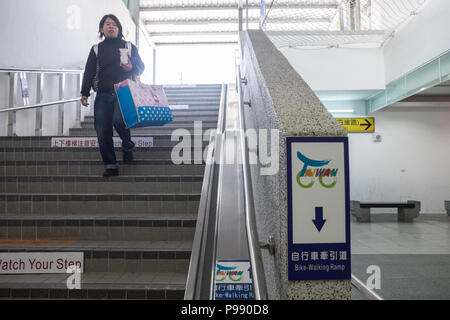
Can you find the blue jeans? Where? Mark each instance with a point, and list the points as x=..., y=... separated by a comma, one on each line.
x=106, y=115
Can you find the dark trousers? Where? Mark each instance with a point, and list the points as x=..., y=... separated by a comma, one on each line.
x=106, y=115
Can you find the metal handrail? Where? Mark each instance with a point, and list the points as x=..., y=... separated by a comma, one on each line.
x=11, y=109
x=361, y=287
x=34, y=70
x=40, y=105
x=197, y=267
x=259, y=281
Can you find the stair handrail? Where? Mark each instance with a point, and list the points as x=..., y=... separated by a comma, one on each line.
x=37, y=70
x=14, y=72
x=366, y=291
x=205, y=233
x=256, y=263
x=39, y=105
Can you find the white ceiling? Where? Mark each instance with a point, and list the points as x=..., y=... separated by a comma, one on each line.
x=293, y=23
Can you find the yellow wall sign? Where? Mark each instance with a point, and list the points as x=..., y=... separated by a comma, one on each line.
x=358, y=124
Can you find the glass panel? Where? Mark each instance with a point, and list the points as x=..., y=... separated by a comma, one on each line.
x=396, y=90
x=423, y=78
x=445, y=66
x=378, y=102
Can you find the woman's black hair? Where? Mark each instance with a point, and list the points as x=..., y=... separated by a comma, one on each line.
x=115, y=19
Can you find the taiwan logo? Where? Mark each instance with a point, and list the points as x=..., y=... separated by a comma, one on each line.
x=313, y=169
x=231, y=272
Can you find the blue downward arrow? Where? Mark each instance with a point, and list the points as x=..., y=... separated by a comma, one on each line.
x=319, y=221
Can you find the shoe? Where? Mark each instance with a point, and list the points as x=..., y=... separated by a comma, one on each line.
x=128, y=157
x=110, y=173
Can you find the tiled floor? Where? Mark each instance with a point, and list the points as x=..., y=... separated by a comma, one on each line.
x=414, y=258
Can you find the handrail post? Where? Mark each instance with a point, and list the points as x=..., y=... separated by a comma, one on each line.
x=11, y=131
x=39, y=96
x=62, y=84
x=78, y=108
x=240, y=9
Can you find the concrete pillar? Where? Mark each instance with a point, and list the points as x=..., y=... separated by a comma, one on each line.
x=282, y=100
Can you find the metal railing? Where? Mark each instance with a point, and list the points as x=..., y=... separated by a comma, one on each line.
x=11, y=109
x=362, y=288
x=259, y=282
x=199, y=281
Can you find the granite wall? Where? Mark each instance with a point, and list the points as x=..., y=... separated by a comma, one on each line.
x=281, y=100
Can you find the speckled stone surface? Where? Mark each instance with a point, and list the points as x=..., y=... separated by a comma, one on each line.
x=280, y=99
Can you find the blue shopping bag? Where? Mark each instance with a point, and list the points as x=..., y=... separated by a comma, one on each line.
x=142, y=105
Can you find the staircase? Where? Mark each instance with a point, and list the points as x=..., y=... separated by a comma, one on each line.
x=135, y=230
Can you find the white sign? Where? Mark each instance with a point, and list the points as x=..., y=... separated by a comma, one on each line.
x=318, y=193
x=91, y=142
x=40, y=262
x=233, y=280
x=318, y=208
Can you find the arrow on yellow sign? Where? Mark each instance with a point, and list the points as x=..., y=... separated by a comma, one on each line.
x=358, y=124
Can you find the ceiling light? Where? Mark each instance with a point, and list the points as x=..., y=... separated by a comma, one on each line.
x=342, y=111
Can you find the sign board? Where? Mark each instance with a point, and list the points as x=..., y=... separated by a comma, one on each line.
x=91, y=142
x=355, y=125
x=40, y=262
x=318, y=208
x=233, y=280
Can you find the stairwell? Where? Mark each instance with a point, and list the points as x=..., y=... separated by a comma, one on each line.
x=135, y=230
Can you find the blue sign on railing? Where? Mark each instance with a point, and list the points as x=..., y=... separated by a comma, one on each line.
x=233, y=280
x=318, y=208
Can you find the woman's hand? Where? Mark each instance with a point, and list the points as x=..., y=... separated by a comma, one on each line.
x=127, y=67
x=84, y=101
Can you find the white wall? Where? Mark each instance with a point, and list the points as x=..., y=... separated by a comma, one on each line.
x=45, y=33
x=339, y=68
x=55, y=34
x=424, y=38
x=411, y=162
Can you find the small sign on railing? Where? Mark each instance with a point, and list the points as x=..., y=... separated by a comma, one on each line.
x=233, y=280
x=91, y=142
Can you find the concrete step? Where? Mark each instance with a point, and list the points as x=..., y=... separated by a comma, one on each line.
x=162, y=285
x=88, y=184
x=41, y=229
x=164, y=130
x=193, y=90
x=159, y=140
x=101, y=203
x=135, y=230
x=173, y=125
x=42, y=153
x=206, y=94
x=115, y=256
x=195, y=105
x=95, y=168
x=189, y=99
x=177, y=122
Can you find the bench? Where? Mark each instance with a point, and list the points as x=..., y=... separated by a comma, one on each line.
x=447, y=207
x=406, y=212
